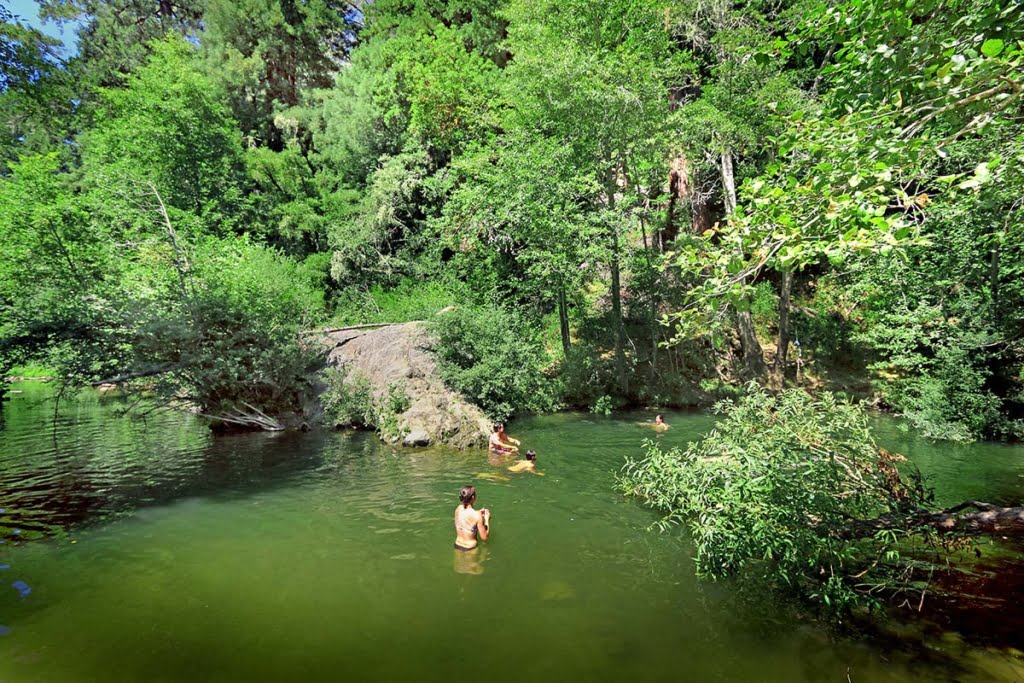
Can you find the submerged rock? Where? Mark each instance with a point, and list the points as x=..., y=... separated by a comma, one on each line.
x=398, y=355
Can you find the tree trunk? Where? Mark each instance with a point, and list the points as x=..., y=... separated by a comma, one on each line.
x=701, y=218
x=620, y=354
x=753, y=356
x=728, y=184
x=987, y=519
x=783, y=346
x=994, y=283
x=563, y=319
x=654, y=299
x=678, y=192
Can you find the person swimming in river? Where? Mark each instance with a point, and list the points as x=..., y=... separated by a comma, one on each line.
x=470, y=524
x=659, y=423
x=500, y=442
x=528, y=465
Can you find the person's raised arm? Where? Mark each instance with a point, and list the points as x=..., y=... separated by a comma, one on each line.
x=483, y=528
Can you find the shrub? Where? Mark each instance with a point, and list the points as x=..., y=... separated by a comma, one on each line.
x=778, y=491
x=603, y=406
x=764, y=308
x=495, y=359
x=950, y=401
x=410, y=300
x=349, y=401
x=229, y=332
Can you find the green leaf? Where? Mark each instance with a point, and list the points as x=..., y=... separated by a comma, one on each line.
x=992, y=47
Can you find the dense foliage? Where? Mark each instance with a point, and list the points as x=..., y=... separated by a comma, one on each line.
x=350, y=402
x=777, y=491
x=651, y=200
x=494, y=358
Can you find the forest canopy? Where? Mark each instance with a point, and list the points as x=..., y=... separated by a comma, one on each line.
x=658, y=199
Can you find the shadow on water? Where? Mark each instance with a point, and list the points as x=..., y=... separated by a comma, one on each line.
x=92, y=464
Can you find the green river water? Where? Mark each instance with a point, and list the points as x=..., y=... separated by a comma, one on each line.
x=154, y=551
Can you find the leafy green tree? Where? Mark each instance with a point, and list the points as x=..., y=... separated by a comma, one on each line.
x=266, y=53
x=381, y=228
x=167, y=131
x=35, y=92
x=415, y=95
x=52, y=260
x=793, y=491
x=26, y=54
x=520, y=211
x=734, y=104
x=229, y=340
x=579, y=80
x=939, y=88
x=115, y=35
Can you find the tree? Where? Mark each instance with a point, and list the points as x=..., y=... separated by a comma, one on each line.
x=792, y=489
x=266, y=53
x=948, y=81
x=115, y=35
x=26, y=54
x=581, y=81
x=729, y=112
x=415, y=96
x=35, y=92
x=52, y=262
x=168, y=127
x=522, y=200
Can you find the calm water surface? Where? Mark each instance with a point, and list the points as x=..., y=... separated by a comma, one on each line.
x=152, y=551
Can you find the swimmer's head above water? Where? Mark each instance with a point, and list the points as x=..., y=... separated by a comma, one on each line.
x=467, y=495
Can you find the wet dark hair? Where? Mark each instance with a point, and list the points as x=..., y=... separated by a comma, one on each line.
x=498, y=426
x=531, y=455
x=466, y=495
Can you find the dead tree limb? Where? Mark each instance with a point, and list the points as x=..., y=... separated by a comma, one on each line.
x=985, y=519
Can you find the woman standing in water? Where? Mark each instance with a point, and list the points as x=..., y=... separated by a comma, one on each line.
x=470, y=524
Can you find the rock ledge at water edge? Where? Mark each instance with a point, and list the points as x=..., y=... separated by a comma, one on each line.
x=400, y=354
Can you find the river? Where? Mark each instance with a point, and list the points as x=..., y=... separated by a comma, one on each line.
x=150, y=550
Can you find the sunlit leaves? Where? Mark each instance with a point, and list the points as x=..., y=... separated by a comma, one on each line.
x=771, y=490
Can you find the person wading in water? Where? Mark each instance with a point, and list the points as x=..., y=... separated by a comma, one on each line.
x=500, y=442
x=470, y=524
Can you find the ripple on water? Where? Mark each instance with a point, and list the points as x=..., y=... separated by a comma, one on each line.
x=323, y=550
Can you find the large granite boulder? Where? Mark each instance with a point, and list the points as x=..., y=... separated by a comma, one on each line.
x=399, y=355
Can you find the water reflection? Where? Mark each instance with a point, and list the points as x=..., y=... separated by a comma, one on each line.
x=92, y=464
x=322, y=551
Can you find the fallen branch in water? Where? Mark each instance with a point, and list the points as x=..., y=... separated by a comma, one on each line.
x=987, y=519
x=255, y=419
